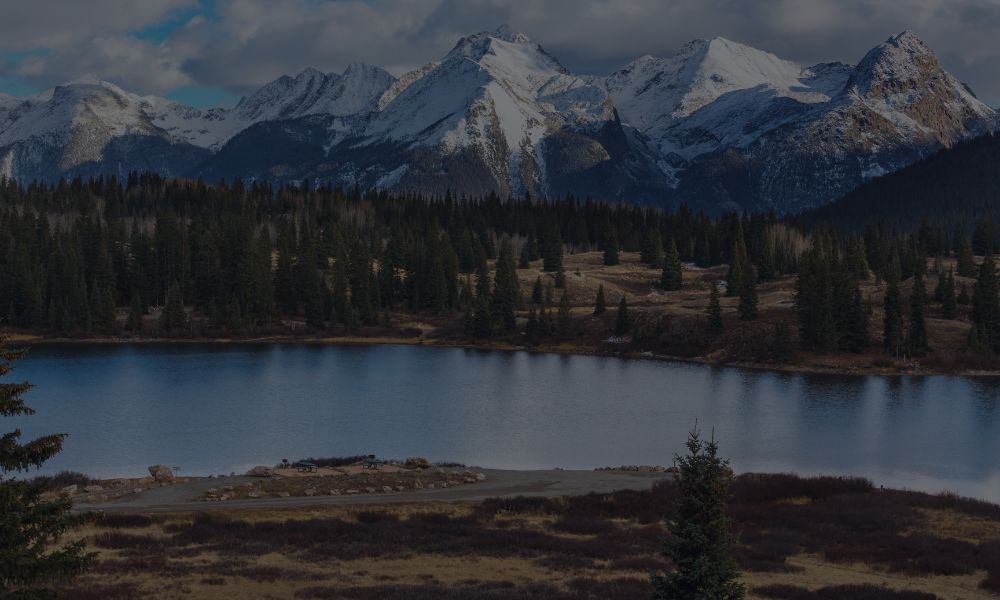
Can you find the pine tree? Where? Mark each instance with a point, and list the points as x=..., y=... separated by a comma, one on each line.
x=599, y=303
x=652, y=248
x=564, y=318
x=949, y=310
x=611, y=248
x=748, y=297
x=623, y=324
x=672, y=278
x=536, y=291
x=966, y=261
x=173, y=317
x=939, y=288
x=892, y=329
x=740, y=269
x=714, y=310
x=963, y=295
x=916, y=335
x=134, y=322
x=29, y=525
x=700, y=540
x=986, y=305
x=506, y=291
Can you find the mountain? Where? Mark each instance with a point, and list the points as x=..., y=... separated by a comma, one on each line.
x=956, y=185
x=719, y=125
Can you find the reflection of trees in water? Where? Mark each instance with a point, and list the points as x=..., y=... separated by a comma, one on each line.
x=986, y=391
x=820, y=389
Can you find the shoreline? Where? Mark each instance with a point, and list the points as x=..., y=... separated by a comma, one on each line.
x=788, y=368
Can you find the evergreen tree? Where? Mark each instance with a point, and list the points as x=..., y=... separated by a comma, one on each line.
x=700, y=541
x=611, y=248
x=136, y=312
x=173, y=318
x=963, y=295
x=740, y=268
x=599, y=303
x=506, y=291
x=672, y=278
x=949, y=310
x=29, y=525
x=652, y=248
x=564, y=318
x=536, y=291
x=966, y=261
x=892, y=328
x=623, y=324
x=916, y=335
x=939, y=288
x=748, y=296
x=986, y=305
x=714, y=310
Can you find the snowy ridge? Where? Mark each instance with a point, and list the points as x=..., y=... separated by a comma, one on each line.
x=719, y=124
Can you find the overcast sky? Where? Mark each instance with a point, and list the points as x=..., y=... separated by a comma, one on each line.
x=209, y=52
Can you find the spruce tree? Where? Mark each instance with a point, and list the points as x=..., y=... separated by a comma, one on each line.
x=892, y=327
x=916, y=335
x=611, y=247
x=623, y=324
x=173, y=317
x=986, y=305
x=748, y=296
x=536, y=291
x=700, y=539
x=136, y=312
x=949, y=310
x=740, y=267
x=30, y=557
x=672, y=278
x=506, y=291
x=564, y=318
x=966, y=261
x=714, y=310
x=963, y=295
x=599, y=303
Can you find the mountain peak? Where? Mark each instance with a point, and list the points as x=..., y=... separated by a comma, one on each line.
x=508, y=34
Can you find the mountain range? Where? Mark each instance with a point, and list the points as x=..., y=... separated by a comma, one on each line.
x=719, y=125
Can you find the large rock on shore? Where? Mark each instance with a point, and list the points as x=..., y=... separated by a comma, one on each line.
x=161, y=473
x=260, y=471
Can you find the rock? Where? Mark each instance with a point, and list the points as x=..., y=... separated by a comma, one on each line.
x=417, y=484
x=417, y=462
x=253, y=494
x=400, y=488
x=480, y=476
x=260, y=471
x=370, y=490
x=386, y=489
x=90, y=489
x=310, y=492
x=283, y=494
x=470, y=479
x=227, y=488
x=212, y=491
x=161, y=472
x=137, y=490
x=69, y=489
x=351, y=492
x=430, y=486
x=334, y=492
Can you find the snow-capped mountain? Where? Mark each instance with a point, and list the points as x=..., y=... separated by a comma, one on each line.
x=718, y=125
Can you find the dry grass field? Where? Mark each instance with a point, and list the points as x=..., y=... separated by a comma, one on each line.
x=821, y=538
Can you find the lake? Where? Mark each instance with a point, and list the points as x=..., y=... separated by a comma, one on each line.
x=222, y=408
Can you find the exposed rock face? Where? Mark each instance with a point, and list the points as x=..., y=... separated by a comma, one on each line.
x=719, y=125
x=260, y=471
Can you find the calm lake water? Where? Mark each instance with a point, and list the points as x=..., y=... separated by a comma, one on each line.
x=216, y=409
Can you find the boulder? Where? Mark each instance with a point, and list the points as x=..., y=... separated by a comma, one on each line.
x=351, y=492
x=386, y=489
x=90, y=489
x=161, y=472
x=310, y=492
x=253, y=494
x=69, y=489
x=260, y=471
x=417, y=462
x=283, y=494
x=480, y=476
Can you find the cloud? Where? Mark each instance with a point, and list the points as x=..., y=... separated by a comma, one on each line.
x=242, y=44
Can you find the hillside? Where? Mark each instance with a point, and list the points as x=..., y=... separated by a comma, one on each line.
x=953, y=186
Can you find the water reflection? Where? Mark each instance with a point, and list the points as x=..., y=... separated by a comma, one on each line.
x=223, y=408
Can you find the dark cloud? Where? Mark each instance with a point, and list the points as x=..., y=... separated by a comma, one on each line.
x=248, y=42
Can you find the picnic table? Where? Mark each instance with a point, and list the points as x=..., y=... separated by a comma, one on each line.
x=373, y=463
x=306, y=467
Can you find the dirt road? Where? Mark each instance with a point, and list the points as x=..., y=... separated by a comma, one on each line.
x=181, y=497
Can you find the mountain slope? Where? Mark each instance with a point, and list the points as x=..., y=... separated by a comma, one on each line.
x=719, y=125
x=957, y=184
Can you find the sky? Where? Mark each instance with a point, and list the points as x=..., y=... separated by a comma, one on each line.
x=211, y=52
